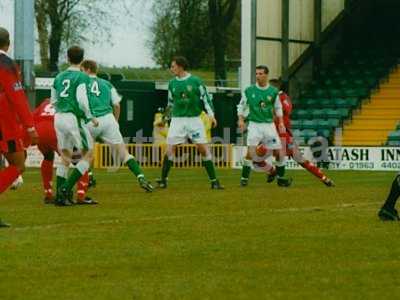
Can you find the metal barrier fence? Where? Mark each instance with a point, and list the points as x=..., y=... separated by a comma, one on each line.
x=151, y=156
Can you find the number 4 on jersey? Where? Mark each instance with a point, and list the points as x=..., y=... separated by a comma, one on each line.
x=95, y=89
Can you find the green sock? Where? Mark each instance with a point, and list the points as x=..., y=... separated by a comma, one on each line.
x=134, y=167
x=280, y=171
x=60, y=182
x=72, y=179
x=246, y=172
x=209, y=165
x=167, y=164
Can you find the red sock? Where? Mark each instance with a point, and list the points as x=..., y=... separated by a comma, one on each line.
x=46, y=169
x=313, y=169
x=82, y=186
x=7, y=177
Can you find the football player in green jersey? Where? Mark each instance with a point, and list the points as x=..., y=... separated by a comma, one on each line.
x=186, y=97
x=104, y=105
x=260, y=104
x=69, y=97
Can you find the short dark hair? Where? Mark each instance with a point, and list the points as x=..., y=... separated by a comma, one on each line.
x=4, y=37
x=90, y=65
x=75, y=55
x=181, y=61
x=263, y=67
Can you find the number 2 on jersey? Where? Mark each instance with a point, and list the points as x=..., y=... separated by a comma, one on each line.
x=66, y=83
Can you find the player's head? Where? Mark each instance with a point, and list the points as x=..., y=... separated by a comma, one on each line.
x=179, y=65
x=262, y=75
x=276, y=83
x=75, y=55
x=89, y=67
x=4, y=39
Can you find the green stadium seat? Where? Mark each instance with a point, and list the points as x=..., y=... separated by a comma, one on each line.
x=344, y=113
x=296, y=124
x=324, y=124
x=393, y=143
x=312, y=103
x=394, y=136
x=326, y=133
x=327, y=103
x=340, y=103
x=318, y=114
x=300, y=114
x=334, y=123
x=308, y=133
x=329, y=83
x=335, y=93
x=309, y=124
x=320, y=93
x=332, y=114
x=344, y=83
x=356, y=92
x=300, y=140
x=353, y=102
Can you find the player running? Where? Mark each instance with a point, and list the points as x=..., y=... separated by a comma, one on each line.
x=292, y=149
x=104, y=105
x=186, y=97
x=14, y=112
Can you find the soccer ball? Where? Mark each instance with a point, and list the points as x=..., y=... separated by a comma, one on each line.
x=17, y=183
x=261, y=150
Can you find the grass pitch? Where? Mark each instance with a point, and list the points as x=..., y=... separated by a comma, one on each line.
x=188, y=242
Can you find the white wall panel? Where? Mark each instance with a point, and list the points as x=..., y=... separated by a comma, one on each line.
x=270, y=53
x=269, y=18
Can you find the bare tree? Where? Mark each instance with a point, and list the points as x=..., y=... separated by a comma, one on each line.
x=62, y=22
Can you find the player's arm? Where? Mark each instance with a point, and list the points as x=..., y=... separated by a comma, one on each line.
x=115, y=100
x=14, y=91
x=82, y=97
x=242, y=111
x=279, y=114
x=208, y=105
x=53, y=95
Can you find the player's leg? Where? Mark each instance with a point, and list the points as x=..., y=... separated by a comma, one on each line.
x=273, y=141
x=168, y=162
x=111, y=135
x=46, y=170
x=16, y=167
x=176, y=136
x=209, y=166
x=133, y=166
x=82, y=187
x=254, y=137
x=310, y=167
x=388, y=211
x=247, y=164
x=82, y=139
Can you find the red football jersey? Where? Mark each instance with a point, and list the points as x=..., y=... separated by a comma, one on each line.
x=286, y=109
x=44, y=124
x=44, y=112
x=14, y=108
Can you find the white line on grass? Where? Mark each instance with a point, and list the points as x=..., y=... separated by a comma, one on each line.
x=241, y=213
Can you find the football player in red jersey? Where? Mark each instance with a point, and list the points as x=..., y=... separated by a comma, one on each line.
x=292, y=149
x=14, y=111
x=47, y=144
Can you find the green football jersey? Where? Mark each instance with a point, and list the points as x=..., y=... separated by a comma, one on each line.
x=187, y=96
x=101, y=98
x=260, y=103
x=66, y=88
